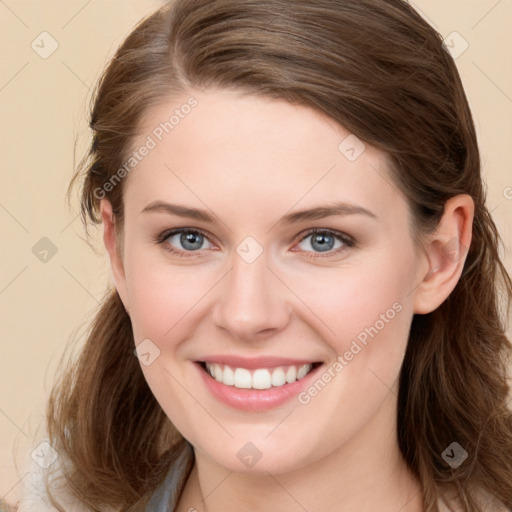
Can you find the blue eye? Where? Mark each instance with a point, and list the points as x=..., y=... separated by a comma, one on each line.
x=324, y=241
x=190, y=239
x=321, y=241
x=185, y=242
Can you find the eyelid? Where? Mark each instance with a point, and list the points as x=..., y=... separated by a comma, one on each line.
x=346, y=239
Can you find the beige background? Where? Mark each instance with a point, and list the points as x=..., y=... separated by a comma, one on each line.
x=43, y=105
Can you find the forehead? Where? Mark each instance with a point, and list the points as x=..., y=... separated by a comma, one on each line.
x=254, y=152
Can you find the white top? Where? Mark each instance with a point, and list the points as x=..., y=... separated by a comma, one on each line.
x=164, y=499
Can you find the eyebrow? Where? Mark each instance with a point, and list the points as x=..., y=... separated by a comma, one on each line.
x=319, y=212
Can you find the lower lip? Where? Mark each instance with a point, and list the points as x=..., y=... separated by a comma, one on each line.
x=256, y=400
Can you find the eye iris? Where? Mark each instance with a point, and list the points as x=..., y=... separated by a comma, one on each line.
x=191, y=238
x=326, y=241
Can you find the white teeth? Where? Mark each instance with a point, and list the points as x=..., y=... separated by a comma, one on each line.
x=291, y=374
x=217, y=372
x=242, y=378
x=261, y=378
x=228, y=376
x=302, y=372
x=278, y=377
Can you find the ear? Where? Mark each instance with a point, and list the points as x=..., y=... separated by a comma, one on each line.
x=446, y=253
x=113, y=244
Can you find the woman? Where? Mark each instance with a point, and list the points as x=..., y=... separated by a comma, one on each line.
x=304, y=268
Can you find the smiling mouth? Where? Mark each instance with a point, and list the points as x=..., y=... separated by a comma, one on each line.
x=258, y=378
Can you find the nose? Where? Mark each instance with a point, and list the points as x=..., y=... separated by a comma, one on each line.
x=252, y=301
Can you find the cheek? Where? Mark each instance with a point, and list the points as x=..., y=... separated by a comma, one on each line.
x=348, y=300
x=161, y=295
x=363, y=312
x=162, y=299
x=364, y=316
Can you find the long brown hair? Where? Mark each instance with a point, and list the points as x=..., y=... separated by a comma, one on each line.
x=378, y=69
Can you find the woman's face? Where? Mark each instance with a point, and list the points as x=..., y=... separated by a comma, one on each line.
x=250, y=286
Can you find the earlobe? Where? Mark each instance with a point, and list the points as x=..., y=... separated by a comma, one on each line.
x=446, y=254
x=111, y=243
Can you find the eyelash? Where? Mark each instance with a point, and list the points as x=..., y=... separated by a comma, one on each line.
x=348, y=242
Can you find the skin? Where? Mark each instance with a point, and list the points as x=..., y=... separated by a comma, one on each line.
x=249, y=161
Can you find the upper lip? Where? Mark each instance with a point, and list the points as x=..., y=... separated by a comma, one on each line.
x=256, y=362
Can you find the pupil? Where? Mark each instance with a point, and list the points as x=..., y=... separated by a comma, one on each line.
x=321, y=239
x=190, y=238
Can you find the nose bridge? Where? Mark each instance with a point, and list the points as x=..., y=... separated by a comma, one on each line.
x=251, y=300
